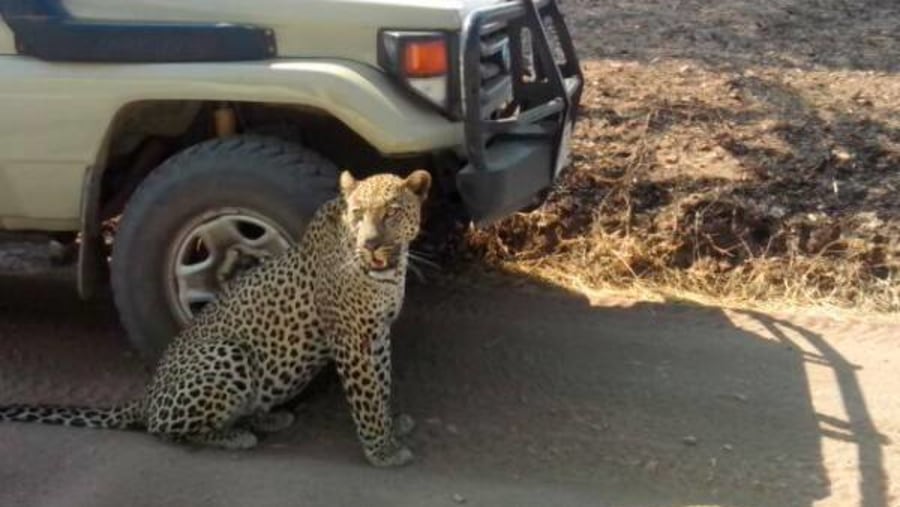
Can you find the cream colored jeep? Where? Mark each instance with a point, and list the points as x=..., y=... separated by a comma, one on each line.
x=209, y=131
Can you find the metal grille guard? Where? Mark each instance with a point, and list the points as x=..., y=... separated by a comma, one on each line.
x=544, y=107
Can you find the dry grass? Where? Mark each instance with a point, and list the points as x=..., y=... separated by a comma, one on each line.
x=749, y=185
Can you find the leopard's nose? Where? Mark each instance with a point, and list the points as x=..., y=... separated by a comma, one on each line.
x=371, y=244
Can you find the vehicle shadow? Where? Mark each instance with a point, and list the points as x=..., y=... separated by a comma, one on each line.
x=650, y=404
x=513, y=383
x=859, y=428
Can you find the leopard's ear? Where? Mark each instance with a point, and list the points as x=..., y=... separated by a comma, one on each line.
x=348, y=183
x=419, y=182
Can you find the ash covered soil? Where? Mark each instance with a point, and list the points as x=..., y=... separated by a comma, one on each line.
x=735, y=151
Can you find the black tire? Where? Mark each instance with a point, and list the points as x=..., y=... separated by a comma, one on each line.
x=279, y=180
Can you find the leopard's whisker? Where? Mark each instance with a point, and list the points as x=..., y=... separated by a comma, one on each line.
x=420, y=261
x=415, y=270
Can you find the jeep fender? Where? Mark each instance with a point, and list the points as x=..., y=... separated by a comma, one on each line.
x=90, y=95
x=358, y=95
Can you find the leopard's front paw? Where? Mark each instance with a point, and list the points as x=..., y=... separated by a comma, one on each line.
x=404, y=424
x=271, y=422
x=390, y=455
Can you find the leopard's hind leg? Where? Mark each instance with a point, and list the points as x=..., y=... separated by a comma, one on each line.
x=231, y=438
x=206, y=390
x=271, y=422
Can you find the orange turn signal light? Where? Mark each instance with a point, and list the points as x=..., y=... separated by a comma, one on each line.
x=425, y=58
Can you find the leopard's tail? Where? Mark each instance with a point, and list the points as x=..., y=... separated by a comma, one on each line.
x=126, y=416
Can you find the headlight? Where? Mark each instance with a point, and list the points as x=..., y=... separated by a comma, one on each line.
x=421, y=62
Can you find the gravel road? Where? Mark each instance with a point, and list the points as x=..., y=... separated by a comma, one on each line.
x=525, y=395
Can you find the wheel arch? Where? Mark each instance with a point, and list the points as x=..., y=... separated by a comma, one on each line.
x=143, y=134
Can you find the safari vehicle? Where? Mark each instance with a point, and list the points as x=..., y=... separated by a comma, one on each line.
x=210, y=131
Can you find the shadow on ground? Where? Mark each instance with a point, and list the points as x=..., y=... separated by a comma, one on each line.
x=525, y=395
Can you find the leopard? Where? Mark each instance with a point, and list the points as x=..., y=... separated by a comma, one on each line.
x=330, y=299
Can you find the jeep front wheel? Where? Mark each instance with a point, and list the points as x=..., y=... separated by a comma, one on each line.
x=202, y=217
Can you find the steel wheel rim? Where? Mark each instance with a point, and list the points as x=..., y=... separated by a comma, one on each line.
x=212, y=249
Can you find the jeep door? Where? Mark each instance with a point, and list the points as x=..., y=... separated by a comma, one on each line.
x=41, y=166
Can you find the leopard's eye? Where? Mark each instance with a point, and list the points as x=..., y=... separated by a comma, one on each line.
x=392, y=210
x=357, y=214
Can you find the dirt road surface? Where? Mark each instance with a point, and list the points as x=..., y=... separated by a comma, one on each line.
x=525, y=395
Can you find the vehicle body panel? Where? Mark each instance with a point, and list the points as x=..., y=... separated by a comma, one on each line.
x=54, y=117
x=311, y=28
x=7, y=42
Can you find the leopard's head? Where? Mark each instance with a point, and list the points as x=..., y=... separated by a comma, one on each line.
x=383, y=214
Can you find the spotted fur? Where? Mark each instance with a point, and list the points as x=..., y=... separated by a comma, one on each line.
x=333, y=297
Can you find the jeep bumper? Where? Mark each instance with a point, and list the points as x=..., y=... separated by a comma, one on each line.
x=521, y=90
